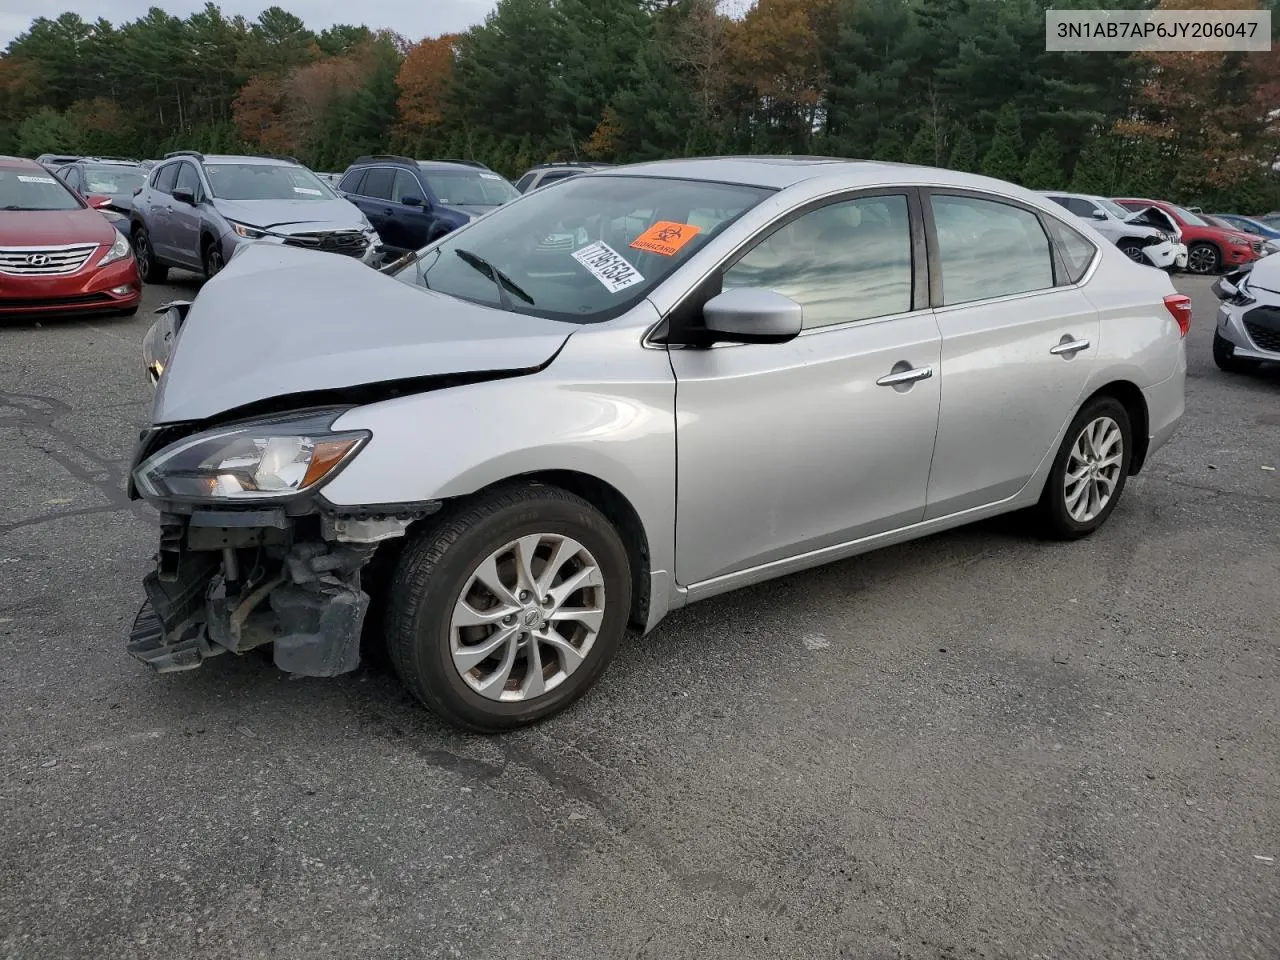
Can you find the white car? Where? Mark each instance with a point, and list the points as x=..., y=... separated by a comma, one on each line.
x=1148, y=237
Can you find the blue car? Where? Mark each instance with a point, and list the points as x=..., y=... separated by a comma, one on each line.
x=414, y=202
x=1250, y=225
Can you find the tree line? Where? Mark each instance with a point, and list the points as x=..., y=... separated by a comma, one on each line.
x=959, y=83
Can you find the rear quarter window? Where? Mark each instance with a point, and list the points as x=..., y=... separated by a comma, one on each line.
x=1073, y=252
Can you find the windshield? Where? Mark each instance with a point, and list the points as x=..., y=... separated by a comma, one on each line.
x=470, y=188
x=260, y=181
x=1113, y=208
x=22, y=189
x=1186, y=216
x=586, y=251
x=112, y=180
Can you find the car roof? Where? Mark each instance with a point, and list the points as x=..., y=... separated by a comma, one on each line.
x=779, y=172
x=429, y=165
x=21, y=163
x=237, y=158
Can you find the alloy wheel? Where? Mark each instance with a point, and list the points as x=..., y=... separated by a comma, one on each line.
x=1202, y=260
x=1134, y=253
x=142, y=253
x=1093, y=469
x=527, y=617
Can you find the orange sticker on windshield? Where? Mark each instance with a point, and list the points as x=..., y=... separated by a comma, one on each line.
x=665, y=237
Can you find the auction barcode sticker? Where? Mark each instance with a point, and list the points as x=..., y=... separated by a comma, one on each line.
x=1157, y=30
x=22, y=179
x=608, y=266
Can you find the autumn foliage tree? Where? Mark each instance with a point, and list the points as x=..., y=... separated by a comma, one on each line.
x=423, y=81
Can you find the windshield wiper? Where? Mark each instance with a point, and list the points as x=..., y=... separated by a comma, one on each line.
x=504, y=282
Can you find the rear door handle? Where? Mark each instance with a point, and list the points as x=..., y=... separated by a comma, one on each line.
x=905, y=376
x=1069, y=347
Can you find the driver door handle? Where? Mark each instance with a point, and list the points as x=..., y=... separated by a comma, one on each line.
x=905, y=376
x=1069, y=348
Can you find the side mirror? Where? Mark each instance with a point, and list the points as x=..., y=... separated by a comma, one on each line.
x=411, y=201
x=1224, y=289
x=185, y=196
x=752, y=315
x=1098, y=214
x=98, y=201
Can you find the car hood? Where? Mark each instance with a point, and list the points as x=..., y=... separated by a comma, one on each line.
x=291, y=216
x=1264, y=274
x=45, y=228
x=280, y=320
x=1155, y=217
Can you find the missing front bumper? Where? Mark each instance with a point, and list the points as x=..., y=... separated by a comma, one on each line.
x=231, y=589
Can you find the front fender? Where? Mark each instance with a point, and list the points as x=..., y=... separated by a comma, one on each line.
x=605, y=407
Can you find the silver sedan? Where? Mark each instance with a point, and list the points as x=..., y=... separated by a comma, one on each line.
x=648, y=386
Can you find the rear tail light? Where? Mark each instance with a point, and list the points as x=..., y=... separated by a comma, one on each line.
x=1179, y=305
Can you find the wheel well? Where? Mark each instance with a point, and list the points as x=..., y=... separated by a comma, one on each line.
x=207, y=240
x=1135, y=404
x=618, y=510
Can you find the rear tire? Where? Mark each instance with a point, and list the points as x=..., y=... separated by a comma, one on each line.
x=441, y=610
x=150, y=270
x=1224, y=355
x=1087, y=469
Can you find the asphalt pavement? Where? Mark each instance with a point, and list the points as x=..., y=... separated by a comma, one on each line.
x=977, y=745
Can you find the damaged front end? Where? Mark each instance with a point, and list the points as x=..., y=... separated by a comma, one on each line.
x=250, y=553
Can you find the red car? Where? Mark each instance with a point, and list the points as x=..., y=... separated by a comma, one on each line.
x=57, y=253
x=1210, y=249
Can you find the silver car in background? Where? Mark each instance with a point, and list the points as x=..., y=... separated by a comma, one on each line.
x=640, y=389
x=195, y=211
x=1247, y=332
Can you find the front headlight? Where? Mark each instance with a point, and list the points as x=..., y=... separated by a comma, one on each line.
x=268, y=460
x=119, y=250
x=246, y=231
x=1238, y=241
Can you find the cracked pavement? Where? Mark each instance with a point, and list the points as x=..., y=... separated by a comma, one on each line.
x=976, y=745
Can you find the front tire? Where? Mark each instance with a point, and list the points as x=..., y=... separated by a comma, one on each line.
x=506, y=612
x=212, y=259
x=1089, y=472
x=150, y=270
x=1224, y=355
x=1134, y=252
x=1204, y=259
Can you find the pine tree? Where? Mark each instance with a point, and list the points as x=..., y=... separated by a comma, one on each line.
x=1095, y=170
x=1003, y=159
x=1043, y=170
x=964, y=152
x=923, y=146
x=889, y=145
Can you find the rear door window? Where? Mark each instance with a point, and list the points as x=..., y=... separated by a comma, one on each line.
x=378, y=183
x=989, y=249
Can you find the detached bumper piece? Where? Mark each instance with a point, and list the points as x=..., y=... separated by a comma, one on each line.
x=227, y=583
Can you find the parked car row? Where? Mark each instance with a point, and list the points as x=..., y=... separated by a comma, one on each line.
x=1169, y=236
